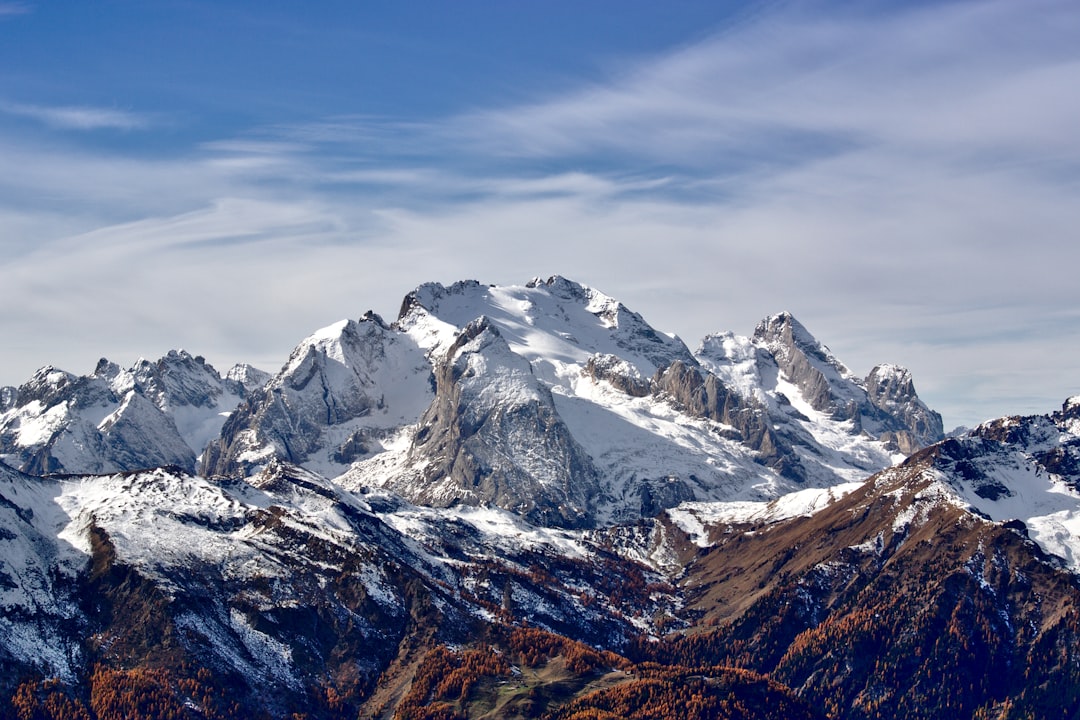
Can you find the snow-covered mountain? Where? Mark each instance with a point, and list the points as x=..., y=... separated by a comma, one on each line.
x=1022, y=472
x=150, y=415
x=550, y=399
x=556, y=401
x=344, y=394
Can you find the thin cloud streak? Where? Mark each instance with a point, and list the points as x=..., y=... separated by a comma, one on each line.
x=9, y=9
x=951, y=80
x=78, y=118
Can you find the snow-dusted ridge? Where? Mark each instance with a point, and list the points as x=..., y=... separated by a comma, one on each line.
x=232, y=556
x=1024, y=471
x=153, y=414
x=695, y=518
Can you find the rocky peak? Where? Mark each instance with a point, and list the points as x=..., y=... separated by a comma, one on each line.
x=178, y=379
x=891, y=390
x=783, y=334
x=492, y=436
x=561, y=287
x=155, y=413
x=808, y=364
x=341, y=389
x=428, y=296
x=47, y=386
x=884, y=405
x=1069, y=417
x=107, y=370
x=890, y=383
x=249, y=377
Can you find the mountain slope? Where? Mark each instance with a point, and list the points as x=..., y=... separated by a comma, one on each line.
x=896, y=597
x=902, y=595
x=283, y=587
x=344, y=393
x=151, y=415
x=524, y=501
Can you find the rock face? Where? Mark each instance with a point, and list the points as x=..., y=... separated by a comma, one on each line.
x=153, y=414
x=820, y=418
x=493, y=435
x=807, y=364
x=892, y=392
x=342, y=391
x=884, y=405
x=707, y=397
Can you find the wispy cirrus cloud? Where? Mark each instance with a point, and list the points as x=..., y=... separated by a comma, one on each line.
x=78, y=117
x=797, y=85
x=7, y=9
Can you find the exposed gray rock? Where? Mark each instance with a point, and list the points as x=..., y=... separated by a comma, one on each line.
x=249, y=377
x=884, y=405
x=7, y=397
x=492, y=435
x=707, y=397
x=891, y=390
x=326, y=407
x=66, y=423
x=180, y=379
x=805, y=362
x=156, y=413
x=140, y=436
x=618, y=373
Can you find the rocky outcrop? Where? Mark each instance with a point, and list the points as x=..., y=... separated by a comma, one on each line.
x=706, y=396
x=60, y=422
x=884, y=405
x=492, y=436
x=618, y=373
x=807, y=364
x=339, y=391
x=891, y=391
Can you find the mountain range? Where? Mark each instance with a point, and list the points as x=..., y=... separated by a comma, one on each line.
x=525, y=501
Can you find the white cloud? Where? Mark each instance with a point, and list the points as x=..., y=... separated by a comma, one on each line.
x=77, y=117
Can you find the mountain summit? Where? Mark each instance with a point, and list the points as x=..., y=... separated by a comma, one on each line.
x=155, y=413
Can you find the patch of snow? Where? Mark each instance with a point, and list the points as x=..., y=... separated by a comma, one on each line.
x=695, y=518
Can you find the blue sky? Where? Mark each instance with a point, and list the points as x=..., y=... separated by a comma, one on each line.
x=227, y=177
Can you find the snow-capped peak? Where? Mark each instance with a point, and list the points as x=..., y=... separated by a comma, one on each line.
x=556, y=322
x=156, y=412
x=782, y=334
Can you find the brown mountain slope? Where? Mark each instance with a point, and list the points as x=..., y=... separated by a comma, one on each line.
x=895, y=601
x=528, y=673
